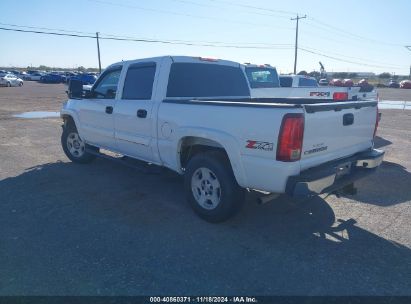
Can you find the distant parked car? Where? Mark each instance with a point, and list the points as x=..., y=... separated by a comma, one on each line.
x=10, y=80
x=19, y=74
x=393, y=84
x=405, y=84
x=52, y=78
x=336, y=83
x=33, y=76
x=85, y=78
x=323, y=82
x=363, y=82
x=348, y=83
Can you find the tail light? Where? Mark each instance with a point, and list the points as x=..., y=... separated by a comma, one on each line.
x=377, y=119
x=290, y=139
x=340, y=96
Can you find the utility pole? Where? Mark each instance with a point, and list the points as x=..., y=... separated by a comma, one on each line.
x=409, y=48
x=98, y=52
x=296, y=41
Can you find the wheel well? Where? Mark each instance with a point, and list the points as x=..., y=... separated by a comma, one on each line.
x=191, y=146
x=67, y=120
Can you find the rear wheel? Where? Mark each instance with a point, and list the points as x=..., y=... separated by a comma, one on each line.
x=74, y=147
x=211, y=188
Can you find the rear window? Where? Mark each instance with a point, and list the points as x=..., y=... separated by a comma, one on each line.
x=286, y=82
x=307, y=82
x=206, y=80
x=139, y=81
x=262, y=77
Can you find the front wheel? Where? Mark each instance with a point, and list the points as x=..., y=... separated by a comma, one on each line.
x=211, y=188
x=74, y=147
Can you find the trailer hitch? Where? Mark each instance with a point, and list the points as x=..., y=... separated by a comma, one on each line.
x=349, y=189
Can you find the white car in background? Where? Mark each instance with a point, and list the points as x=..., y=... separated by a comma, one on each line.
x=33, y=77
x=10, y=80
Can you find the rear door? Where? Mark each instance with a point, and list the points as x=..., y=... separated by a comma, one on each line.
x=134, y=118
x=337, y=130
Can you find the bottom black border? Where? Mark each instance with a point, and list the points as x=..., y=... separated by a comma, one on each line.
x=204, y=299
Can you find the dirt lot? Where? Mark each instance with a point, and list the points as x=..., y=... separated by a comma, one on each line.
x=105, y=229
x=395, y=94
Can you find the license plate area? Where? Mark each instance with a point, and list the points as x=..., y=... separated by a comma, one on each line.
x=343, y=169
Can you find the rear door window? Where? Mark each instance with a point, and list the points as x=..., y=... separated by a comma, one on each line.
x=262, y=77
x=286, y=82
x=307, y=82
x=139, y=81
x=206, y=80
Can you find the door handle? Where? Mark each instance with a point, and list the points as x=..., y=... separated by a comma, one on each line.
x=109, y=110
x=142, y=113
x=348, y=119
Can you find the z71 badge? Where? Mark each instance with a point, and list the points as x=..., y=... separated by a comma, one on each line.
x=259, y=145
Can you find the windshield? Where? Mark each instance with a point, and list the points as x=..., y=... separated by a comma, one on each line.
x=262, y=77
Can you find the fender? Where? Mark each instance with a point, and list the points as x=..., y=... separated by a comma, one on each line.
x=67, y=111
x=227, y=141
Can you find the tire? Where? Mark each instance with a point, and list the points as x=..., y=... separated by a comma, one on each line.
x=74, y=147
x=20, y=84
x=211, y=188
x=8, y=84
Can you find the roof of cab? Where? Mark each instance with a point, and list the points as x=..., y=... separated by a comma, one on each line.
x=187, y=59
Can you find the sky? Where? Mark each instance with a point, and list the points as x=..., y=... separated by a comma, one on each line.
x=348, y=36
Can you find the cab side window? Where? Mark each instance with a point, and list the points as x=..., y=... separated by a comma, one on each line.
x=107, y=86
x=139, y=81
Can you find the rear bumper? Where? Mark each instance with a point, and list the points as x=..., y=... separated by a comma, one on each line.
x=334, y=175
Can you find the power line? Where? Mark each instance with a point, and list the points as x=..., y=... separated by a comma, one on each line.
x=46, y=28
x=147, y=40
x=256, y=7
x=328, y=27
x=131, y=37
x=350, y=57
x=171, y=40
x=348, y=61
x=183, y=14
x=233, y=4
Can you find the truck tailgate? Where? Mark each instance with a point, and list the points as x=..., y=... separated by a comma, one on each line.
x=337, y=130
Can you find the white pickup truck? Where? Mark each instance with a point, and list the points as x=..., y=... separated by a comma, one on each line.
x=196, y=117
x=266, y=83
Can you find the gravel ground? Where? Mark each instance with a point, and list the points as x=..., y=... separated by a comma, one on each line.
x=395, y=94
x=106, y=229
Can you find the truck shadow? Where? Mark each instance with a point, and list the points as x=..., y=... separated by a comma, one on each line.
x=125, y=232
x=381, y=142
x=390, y=185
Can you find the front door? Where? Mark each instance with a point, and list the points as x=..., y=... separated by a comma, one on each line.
x=96, y=113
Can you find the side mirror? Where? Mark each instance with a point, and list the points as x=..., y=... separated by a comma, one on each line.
x=75, y=89
x=111, y=94
x=88, y=94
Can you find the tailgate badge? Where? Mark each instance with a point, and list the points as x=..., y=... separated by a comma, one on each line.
x=317, y=148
